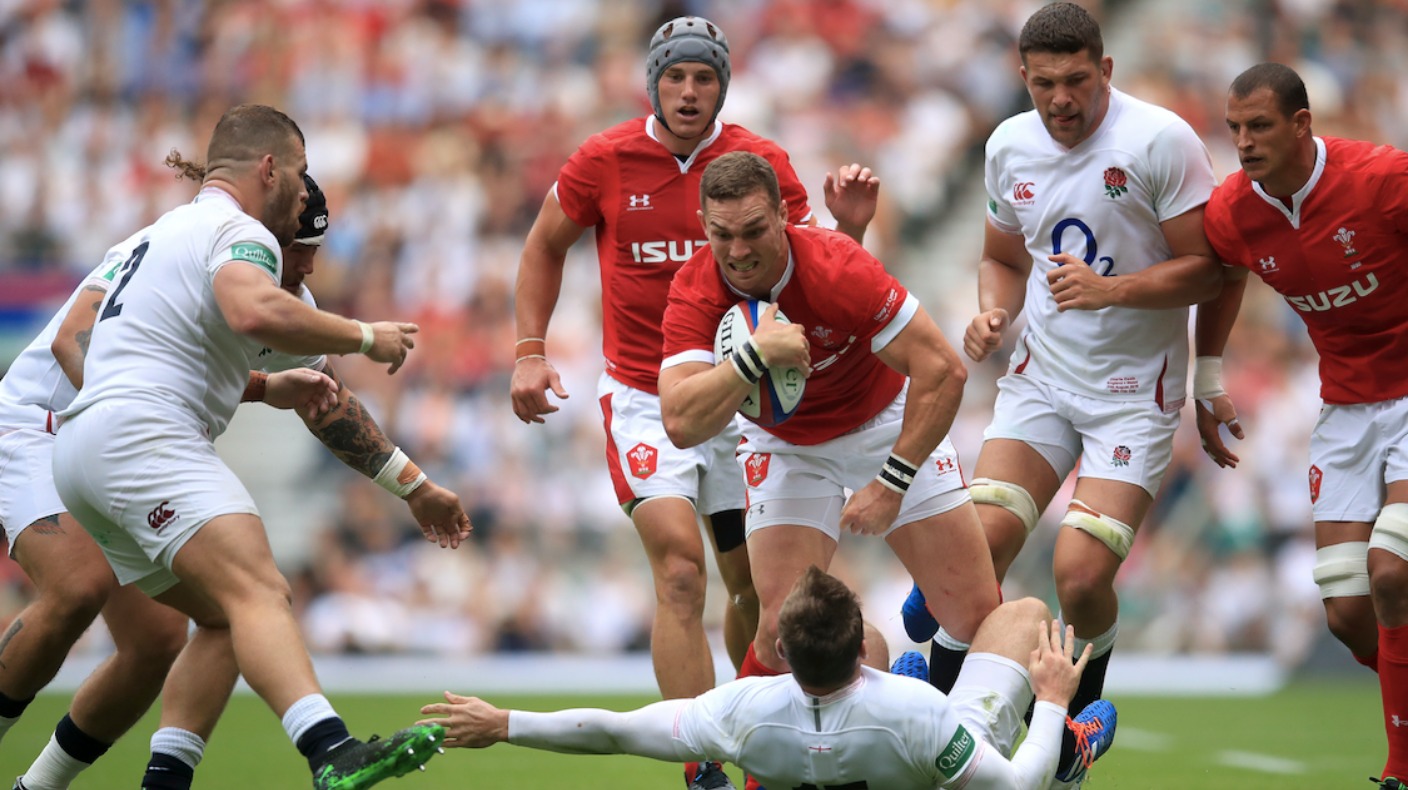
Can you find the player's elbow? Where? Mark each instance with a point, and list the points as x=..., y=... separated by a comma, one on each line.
x=682, y=430
x=1207, y=285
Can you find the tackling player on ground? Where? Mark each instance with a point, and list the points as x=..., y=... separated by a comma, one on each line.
x=1324, y=221
x=836, y=723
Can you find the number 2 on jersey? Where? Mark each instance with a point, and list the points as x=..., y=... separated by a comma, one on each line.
x=128, y=269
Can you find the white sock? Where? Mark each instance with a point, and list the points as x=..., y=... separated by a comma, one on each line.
x=53, y=769
x=1102, y=644
x=184, y=745
x=946, y=640
x=304, y=713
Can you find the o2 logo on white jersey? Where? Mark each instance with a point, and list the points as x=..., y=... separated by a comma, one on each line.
x=1335, y=297
x=663, y=251
x=1106, y=265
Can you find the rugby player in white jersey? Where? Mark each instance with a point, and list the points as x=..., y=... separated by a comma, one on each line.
x=194, y=305
x=72, y=580
x=833, y=723
x=1094, y=226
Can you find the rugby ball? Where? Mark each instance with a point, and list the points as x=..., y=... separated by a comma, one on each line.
x=778, y=393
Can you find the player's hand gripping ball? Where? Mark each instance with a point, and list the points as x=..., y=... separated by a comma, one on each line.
x=778, y=393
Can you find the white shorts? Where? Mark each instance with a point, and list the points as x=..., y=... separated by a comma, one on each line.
x=645, y=463
x=991, y=697
x=1129, y=441
x=26, y=481
x=142, y=481
x=806, y=485
x=1354, y=452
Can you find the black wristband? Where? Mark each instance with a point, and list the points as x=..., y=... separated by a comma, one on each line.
x=897, y=474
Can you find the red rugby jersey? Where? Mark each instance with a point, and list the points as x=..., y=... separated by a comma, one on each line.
x=1339, y=257
x=643, y=200
x=841, y=296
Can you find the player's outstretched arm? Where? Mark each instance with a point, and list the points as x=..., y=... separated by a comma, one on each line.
x=852, y=194
x=472, y=723
x=936, y=380
x=351, y=434
x=534, y=299
x=1212, y=405
x=1190, y=276
x=70, y=346
x=253, y=305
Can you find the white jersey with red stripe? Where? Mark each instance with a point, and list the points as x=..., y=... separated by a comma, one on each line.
x=160, y=336
x=1101, y=201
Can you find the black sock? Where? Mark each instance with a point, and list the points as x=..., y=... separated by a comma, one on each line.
x=11, y=708
x=321, y=738
x=165, y=772
x=944, y=664
x=1092, y=685
x=78, y=744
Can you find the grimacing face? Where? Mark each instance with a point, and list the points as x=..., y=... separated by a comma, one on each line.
x=1071, y=92
x=748, y=238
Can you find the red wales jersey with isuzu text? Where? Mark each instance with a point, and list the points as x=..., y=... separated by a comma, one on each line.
x=643, y=200
x=1339, y=256
x=848, y=306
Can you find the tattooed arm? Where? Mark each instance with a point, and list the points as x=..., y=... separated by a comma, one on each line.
x=70, y=347
x=350, y=433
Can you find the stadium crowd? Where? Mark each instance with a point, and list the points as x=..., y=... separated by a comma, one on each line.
x=435, y=127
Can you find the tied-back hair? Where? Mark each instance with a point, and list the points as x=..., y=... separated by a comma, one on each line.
x=195, y=171
x=1281, y=80
x=821, y=630
x=247, y=132
x=1061, y=29
x=739, y=174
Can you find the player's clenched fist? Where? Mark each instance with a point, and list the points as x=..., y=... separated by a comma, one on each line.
x=782, y=345
x=984, y=334
x=392, y=342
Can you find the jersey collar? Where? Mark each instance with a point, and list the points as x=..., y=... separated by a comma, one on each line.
x=1293, y=213
x=705, y=143
x=776, y=289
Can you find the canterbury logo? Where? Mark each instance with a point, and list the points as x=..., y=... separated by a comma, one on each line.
x=160, y=516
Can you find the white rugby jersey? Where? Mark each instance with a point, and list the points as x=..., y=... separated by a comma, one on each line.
x=881, y=731
x=35, y=385
x=1101, y=201
x=160, y=336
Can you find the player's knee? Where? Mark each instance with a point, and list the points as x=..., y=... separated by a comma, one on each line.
x=81, y=596
x=1082, y=584
x=1115, y=534
x=1028, y=610
x=680, y=581
x=1351, y=621
x=1008, y=496
x=1388, y=571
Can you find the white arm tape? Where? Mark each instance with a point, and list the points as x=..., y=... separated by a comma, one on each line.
x=368, y=337
x=1207, y=378
x=400, y=475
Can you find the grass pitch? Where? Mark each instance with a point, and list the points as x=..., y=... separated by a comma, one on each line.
x=1312, y=735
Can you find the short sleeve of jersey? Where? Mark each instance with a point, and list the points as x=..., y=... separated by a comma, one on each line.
x=276, y=361
x=798, y=209
x=578, y=187
x=1000, y=212
x=1221, y=231
x=1392, y=175
x=1180, y=171
x=244, y=239
x=887, y=306
x=692, y=313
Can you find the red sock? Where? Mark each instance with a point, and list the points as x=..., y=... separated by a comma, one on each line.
x=1371, y=661
x=753, y=668
x=1393, y=685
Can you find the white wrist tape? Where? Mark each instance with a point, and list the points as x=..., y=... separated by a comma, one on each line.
x=400, y=476
x=368, y=337
x=748, y=362
x=1207, y=378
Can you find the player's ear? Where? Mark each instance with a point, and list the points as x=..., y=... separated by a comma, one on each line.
x=702, y=222
x=777, y=646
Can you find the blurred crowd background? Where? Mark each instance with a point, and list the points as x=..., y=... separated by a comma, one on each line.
x=437, y=126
